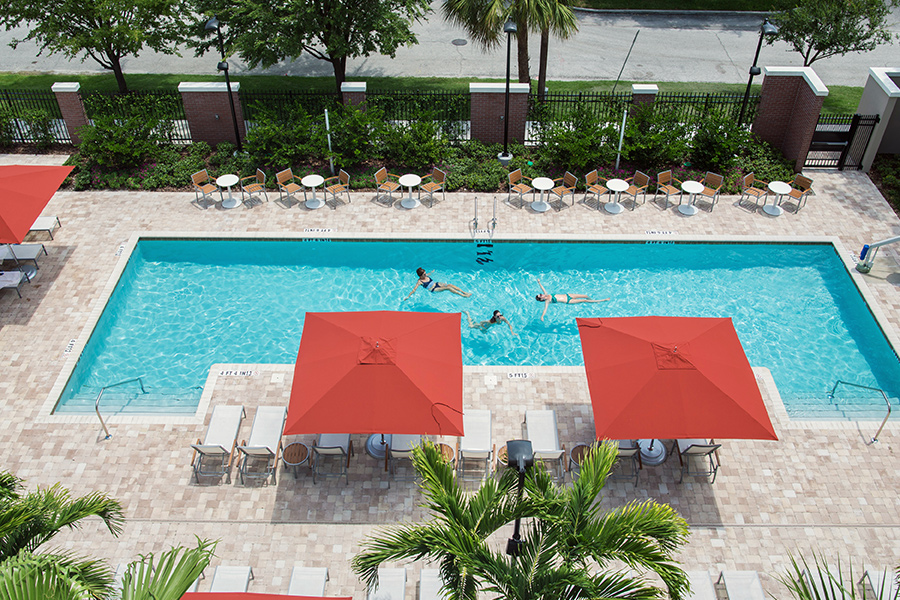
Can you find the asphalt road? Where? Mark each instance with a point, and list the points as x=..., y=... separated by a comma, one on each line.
x=669, y=47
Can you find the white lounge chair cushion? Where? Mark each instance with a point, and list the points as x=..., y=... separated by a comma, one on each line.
x=11, y=279
x=882, y=581
x=333, y=443
x=403, y=444
x=231, y=579
x=543, y=433
x=224, y=426
x=308, y=581
x=627, y=448
x=265, y=436
x=476, y=443
x=21, y=251
x=45, y=223
x=210, y=450
x=430, y=585
x=743, y=585
x=702, y=446
x=701, y=586
x=391, y=585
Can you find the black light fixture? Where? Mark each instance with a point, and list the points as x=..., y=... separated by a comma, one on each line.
x=765, y=29
x=212, y=24
x=509, y=28
x=519, y=456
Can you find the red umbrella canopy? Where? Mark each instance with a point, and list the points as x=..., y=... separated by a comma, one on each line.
x=670, y=378
x=24, y=192
x=252, y=596
x=378, y=372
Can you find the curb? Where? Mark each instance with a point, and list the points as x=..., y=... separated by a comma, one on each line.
x=673, y=13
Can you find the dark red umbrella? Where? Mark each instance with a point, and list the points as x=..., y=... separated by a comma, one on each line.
x=24, y=192
x=671, y=378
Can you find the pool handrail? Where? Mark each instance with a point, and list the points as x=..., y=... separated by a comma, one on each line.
x=866, y=387
x=100, y=395
x=867, y=255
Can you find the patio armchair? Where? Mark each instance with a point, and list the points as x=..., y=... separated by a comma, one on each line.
x=219, y=443
x=543, y=432
x=664, y=185
x=628, y=461
x=750, y=191
x=566, y=187
x=287, y=187
x=517, y=186
x=638, y=185
x=437, y=184
x=801, y=188
x=593, y=187
x=385, y=185
x=400, y=448
x=712, y=183
x=339, y=184
x=259, y=456
x=253, y=184
x=702, y=454
x=335, y=445
x=204, y=186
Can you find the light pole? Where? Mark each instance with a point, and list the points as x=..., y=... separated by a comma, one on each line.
x=764, y=30
x=509, y=28
x=213, y=23
x=519, y=456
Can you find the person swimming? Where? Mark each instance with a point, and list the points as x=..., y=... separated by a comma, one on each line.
x=433, y=285
x=549, y=299
x=496, y=318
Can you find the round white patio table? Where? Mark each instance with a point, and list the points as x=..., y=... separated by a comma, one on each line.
x=779, y=188
x=618, y=186
x=311, y=181
x=541, y=184
x=693, y=188
x=410, y=180
x=653, y=452
x=226, y=181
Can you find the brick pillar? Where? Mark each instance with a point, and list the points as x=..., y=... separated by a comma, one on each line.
x=208, y=112
x=488, y=105
x=354, y=93
x=643, y=93
x=789, y=109
x=71, y=107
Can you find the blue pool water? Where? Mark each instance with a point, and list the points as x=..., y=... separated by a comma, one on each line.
x=181, y=306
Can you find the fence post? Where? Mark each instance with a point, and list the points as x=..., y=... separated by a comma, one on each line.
x=208, y=111
x=487, y=102
x=643, y=93
x=354, y=94
x=71, y=107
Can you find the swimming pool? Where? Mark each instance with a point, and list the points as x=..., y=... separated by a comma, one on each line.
x=183, y=305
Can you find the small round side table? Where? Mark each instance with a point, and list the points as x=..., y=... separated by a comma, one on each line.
x=295, y=455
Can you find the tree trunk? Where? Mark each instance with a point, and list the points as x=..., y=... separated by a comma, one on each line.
x=340, y=73
x=522, y=47
x=542, y=64
x=117, y=71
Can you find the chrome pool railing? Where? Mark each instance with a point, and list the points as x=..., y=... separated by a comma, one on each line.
x=100, y=395
x=865, y=387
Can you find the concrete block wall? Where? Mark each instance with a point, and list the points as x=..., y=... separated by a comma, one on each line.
x=488, y=101
x=208, y=111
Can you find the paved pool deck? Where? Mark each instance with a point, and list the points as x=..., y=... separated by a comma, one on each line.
x=822, y=487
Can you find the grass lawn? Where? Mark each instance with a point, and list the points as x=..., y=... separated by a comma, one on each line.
x=841, y=99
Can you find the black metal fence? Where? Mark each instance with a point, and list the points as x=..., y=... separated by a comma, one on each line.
x=450, y=110
x=606, y=107
x=840, y=141
x=165, y=106
x=260, y=105
x=693, y=106
x=29, y=116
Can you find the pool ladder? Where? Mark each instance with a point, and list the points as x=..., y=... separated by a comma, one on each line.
x=865, y=387
x=100, y=395
x=869, y=251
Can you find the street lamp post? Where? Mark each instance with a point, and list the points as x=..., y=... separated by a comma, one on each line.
x=767, y=28
x=519, y=456
x=213, y=23
x=509, y=28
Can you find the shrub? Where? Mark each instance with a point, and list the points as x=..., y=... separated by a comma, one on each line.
x=417, y=145
x=579, y=143
x=763, y=160
x=7, y=126
x=354, y=135
x=39, y=124
x=125, y=132
x=655, y=137
x=286, y=137
x=717, y=142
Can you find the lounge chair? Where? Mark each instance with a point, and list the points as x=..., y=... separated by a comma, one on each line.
x=13, y=280
x=20, y=252
x=391, y=585
x=566, y=187
x=430, y=585
x=204, y=186
x=385, y=186
x=336, y=445
x=437, y=184
x=593, y=187
x=638, y=184
x=750, y=191
x=628, y=460
x=401, y=447
x=46, y=224
x=213, y=456
x=475, y=445
x=259, y=456
x=801, y=188
x=712, y=183
x=340, y=184
x=253, y=184
x=881, y=581
x=742, y=585
x=702, y=587
x=516, y=186
x=664, y=185
x=231, y=579
x=287, y=187
x=308, y=581
x=543, y=433
x=702, y=451
x=821, y=586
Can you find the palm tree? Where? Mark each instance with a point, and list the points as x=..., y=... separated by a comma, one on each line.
x=566, y=533
x=555, y=16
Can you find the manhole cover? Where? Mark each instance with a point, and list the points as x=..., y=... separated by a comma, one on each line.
x=459, y=42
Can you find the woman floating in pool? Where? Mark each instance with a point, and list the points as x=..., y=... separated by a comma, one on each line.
x=549, y=299
x=485, y=325
x=435, y=286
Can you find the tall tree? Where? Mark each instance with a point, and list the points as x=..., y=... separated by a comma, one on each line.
x=104, y=30
x=556, y=17
x=820, y=29
x=566, y=532
x=264, y=32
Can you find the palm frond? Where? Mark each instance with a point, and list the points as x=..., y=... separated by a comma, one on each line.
x=168, y=576
x=10, y=486
x=29, y=576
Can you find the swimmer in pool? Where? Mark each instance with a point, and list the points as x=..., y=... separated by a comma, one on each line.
x=496, y=318
x=549, y=299
x=435, y=286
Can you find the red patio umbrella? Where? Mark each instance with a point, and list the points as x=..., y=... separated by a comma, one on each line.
x=378, y=372
x=671, y=378
x=252, y=596
x=24, y=192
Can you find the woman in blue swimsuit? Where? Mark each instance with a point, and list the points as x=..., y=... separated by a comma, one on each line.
x=435, y=286
x=549, y=299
